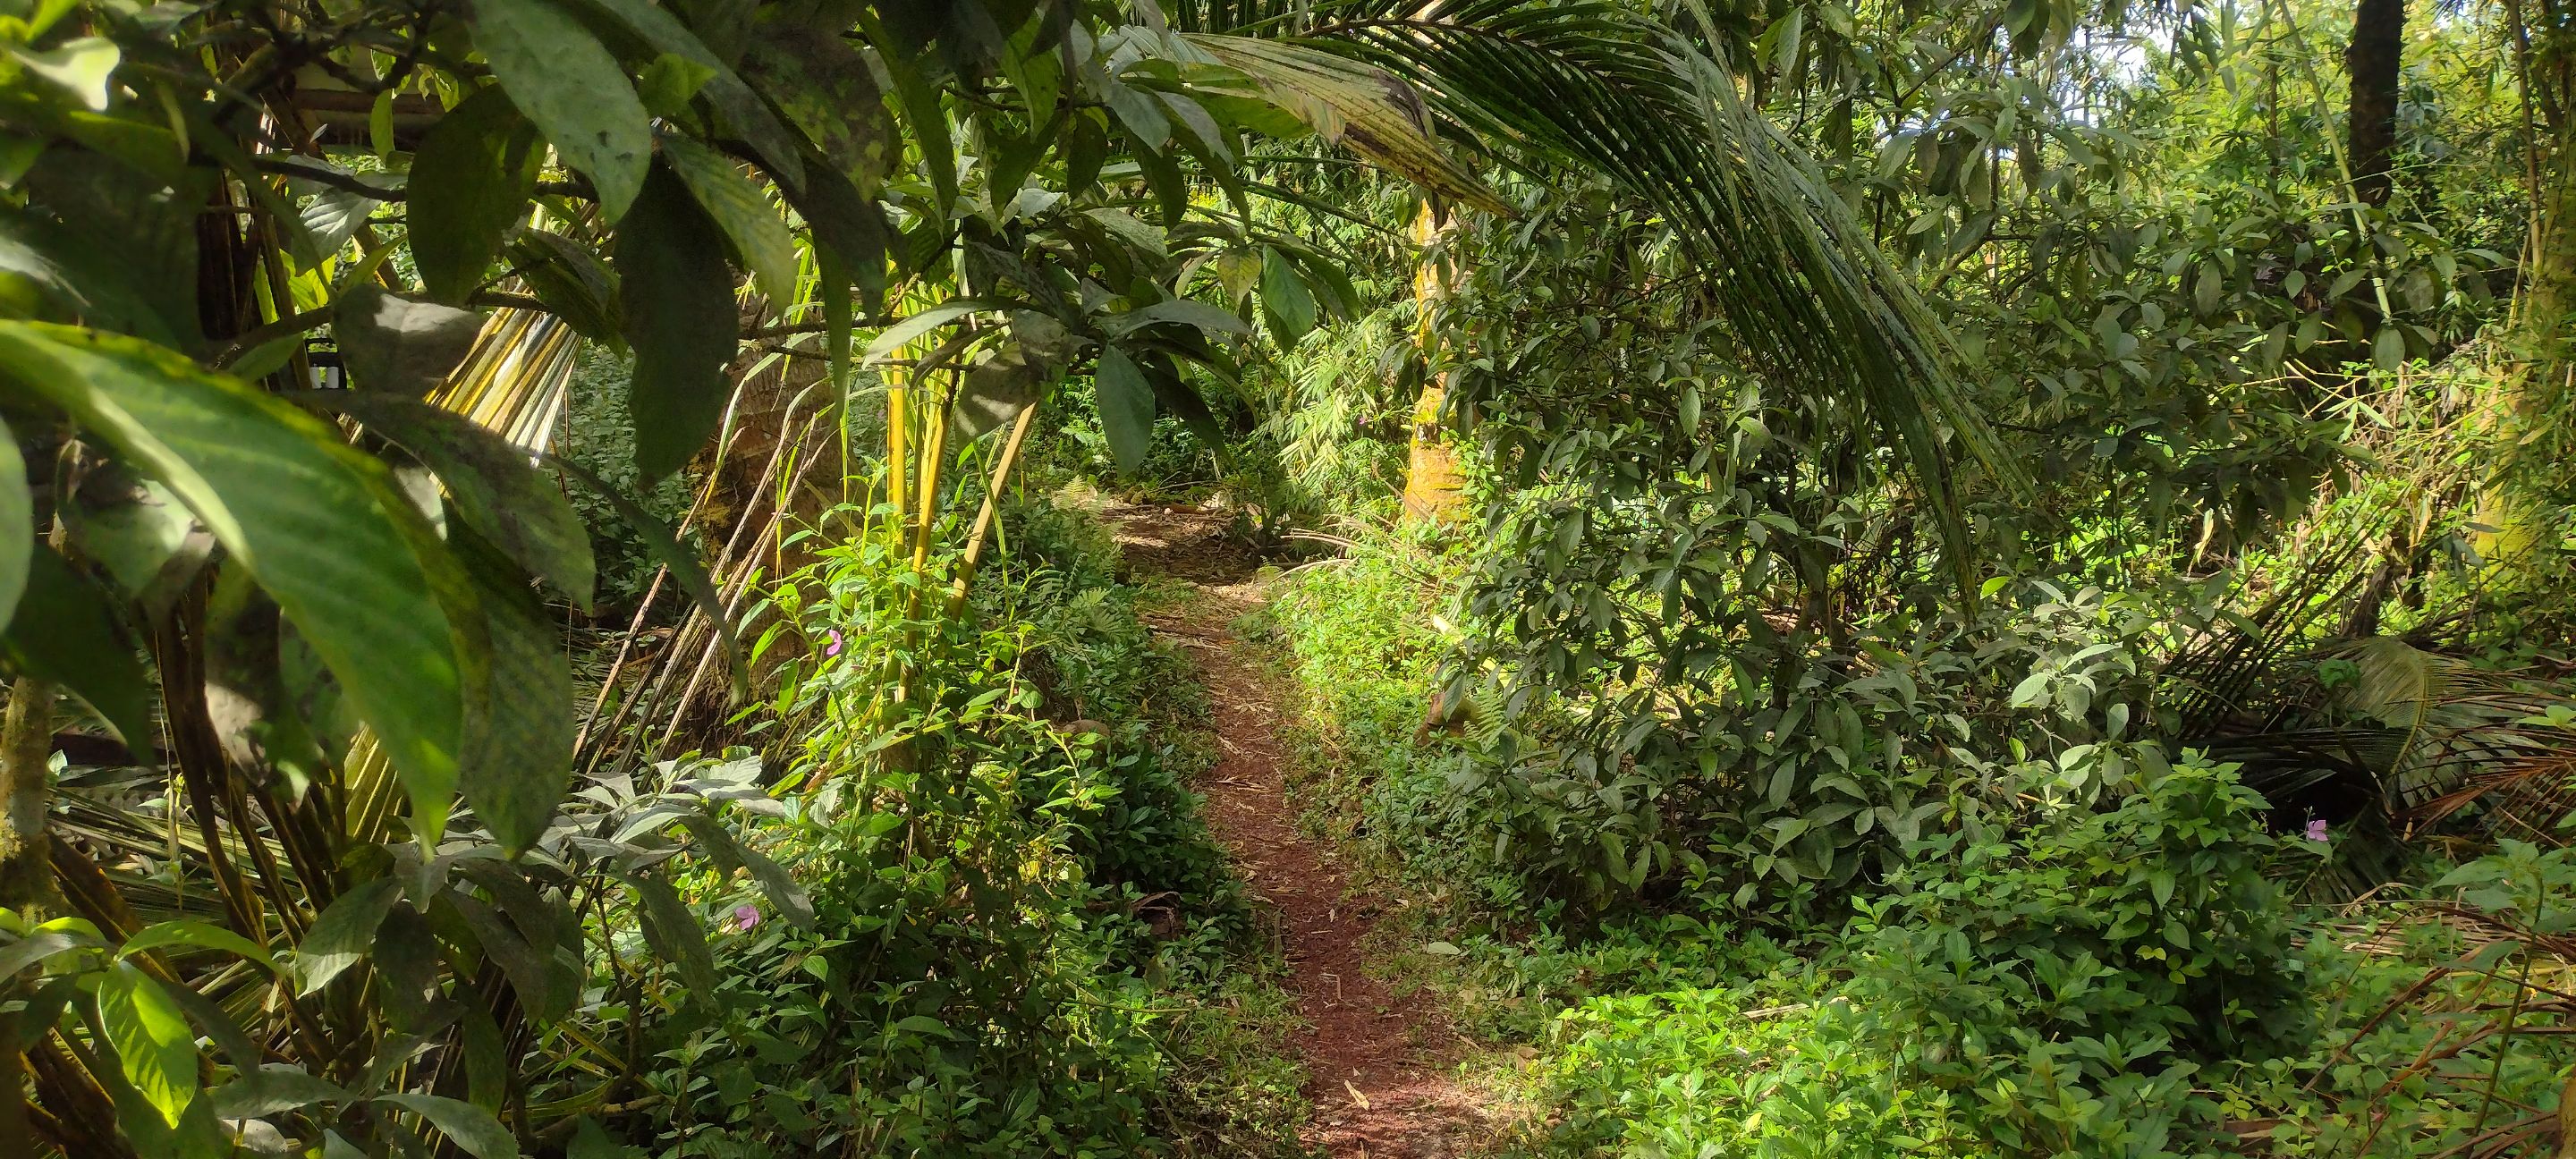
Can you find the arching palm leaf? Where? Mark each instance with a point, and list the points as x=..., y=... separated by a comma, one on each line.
x=1596, y=87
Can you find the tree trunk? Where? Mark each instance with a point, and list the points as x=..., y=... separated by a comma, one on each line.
x=26, y=796
x=2373, y=59
x=1433, y=489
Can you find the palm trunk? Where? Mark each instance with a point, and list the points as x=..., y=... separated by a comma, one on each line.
x=1433, y=489
x=2373, y=59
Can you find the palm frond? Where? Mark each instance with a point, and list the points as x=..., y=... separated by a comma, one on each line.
x=1597, y=87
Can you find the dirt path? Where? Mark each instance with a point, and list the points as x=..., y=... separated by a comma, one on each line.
x=1377, y=1064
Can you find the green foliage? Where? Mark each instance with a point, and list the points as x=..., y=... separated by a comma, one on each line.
x=1688, y=1073
x=1011, y=924
x=2065, y=983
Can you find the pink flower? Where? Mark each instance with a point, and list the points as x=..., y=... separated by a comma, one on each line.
x=2317, y=830
x=833, y=648
x=744, y=917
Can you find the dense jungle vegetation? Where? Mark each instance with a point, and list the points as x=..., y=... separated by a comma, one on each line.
x=1979, y=578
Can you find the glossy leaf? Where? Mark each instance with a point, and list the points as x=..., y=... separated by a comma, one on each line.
x=1126, y=404
x=322, y=527
x=471, y=181
x=344, y=934
x=569, y=85
x=64, y=631
x=154, y=1046
x=677, y=297
x=759, y=234
x=194, y=933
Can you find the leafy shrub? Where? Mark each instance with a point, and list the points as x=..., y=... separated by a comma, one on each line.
x=1689, y=1074
x=1019, y=920
x=2066, y=980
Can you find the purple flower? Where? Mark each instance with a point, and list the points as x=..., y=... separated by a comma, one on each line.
x=744, y=917
x=2317, y=830
x=833, y=648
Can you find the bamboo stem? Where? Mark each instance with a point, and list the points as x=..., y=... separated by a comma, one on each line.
x=985, y=515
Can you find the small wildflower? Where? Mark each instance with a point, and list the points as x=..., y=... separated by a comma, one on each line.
x=744, y=917
x=2317, y=830
x=833, y=648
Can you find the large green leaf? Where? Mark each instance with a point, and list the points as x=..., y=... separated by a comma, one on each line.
x=759, y=234
x=1285, y=299
x=566, y=82
x=516, y=770
x=17, y=523
x=925, y=112
x=494, y=486
x=137, y=532
x=397, y=345
x=676, y=934
x=154, y=1046
x=65, y=632
x=573, y=281
x=471, y=180
x=343, y=935
x=127, y=248
x=471, y=1128
x=194, y=933
x=725, y=91
x=847, y=225
x=827, y=90
x=677, y=297
x=1126, y=408
x=322, y=527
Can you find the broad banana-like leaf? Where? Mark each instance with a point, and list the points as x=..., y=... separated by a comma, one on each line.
x=324, y=528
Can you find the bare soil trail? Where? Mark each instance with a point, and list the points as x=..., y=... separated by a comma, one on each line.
x=1378, y=1064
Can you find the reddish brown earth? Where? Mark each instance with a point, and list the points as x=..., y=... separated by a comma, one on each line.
x=1377, y=1063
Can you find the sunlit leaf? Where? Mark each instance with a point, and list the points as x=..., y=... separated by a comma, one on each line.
x=154, y=1047
x=400, y=346
x=322, y=527
x=560, y=76
x=194, y=933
